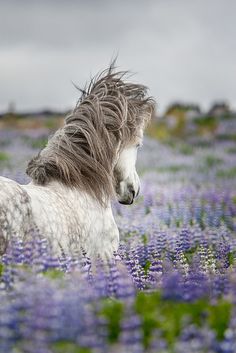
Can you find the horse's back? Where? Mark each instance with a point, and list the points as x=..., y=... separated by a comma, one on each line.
x=15, y=211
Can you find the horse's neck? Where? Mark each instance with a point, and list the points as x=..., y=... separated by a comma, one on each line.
x=60, y=212
x=74, y=197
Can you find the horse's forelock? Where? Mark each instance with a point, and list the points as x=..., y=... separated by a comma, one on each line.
x=81, y=154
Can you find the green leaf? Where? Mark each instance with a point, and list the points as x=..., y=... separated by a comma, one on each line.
x=169, y=317
x=53, y=274
x=1, y=269
x=146, y=267
x=219, y=317
x=69, y=347
x=112, y=311
x=4, y=157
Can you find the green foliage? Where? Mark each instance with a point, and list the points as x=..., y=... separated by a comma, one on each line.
x=38, y=143
x=4, y=157
x=178, y=223
x=206, y=121
x=219, y=316
x=171, y=316
x=227, y=137
x=158, y=130
x=229, y=173
x=202, y=143
x=186, y=149
x=231, y=258
x=147, y=308
x=172, y=142
x=53, y=274
x=182, y=147
x=158, y=314
x=144, y=239
x=146, y=267
x=112, y=311
x=231, y=150
x=190, y=253
x=68, y=347
x=206, y=125
x=1, y=269
x=51, y=123
x=212, y=161
x=175, y=168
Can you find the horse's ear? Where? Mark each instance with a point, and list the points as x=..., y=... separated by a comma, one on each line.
x=37, y=170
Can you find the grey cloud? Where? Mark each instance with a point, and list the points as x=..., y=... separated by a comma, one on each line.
x=182, y=49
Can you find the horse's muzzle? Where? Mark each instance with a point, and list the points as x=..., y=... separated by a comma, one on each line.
x=129, y=198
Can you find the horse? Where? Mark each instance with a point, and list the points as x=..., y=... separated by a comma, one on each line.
x=86, y=164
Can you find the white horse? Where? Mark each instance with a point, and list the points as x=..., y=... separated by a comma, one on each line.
x=84, y=166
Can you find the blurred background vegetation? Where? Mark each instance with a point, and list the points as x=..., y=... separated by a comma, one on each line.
x=179, y=121
x=189, y=122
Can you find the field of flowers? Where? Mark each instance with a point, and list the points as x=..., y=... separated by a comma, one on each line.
x=171, y=287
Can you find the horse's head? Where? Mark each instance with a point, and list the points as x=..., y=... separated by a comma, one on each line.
x=125, y=174
x=96, y=149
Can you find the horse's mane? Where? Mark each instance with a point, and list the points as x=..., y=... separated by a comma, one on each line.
x=81, y=154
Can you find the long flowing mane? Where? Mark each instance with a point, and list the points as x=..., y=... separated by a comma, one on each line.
x=108, y=114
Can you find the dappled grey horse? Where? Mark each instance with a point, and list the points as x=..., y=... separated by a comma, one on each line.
x=84, y=166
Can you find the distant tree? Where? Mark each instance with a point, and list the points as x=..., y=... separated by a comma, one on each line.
x=182, y=107
x=219, y=109
x=179, y=116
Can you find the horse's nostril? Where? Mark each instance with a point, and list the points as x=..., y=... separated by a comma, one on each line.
x=131, y=190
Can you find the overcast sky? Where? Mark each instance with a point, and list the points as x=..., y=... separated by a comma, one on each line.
x=183, y=50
